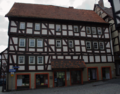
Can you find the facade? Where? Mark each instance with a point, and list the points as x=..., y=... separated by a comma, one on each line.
x=55, y=46
x=107, y=15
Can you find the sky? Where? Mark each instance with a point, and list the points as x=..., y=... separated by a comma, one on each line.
x=5, y=6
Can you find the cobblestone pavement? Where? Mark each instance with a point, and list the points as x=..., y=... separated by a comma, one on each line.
x=101, y=87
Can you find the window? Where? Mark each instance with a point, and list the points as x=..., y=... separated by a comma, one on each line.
x=93, y=30
x=22, y=25
x=75, y=28
x=70, y=43
x=31, y=59
x=99, y=30
x=101, y=45
x=58, y=43
x=88, y=30
x=31, y=42
x=88, y=45
x=40, y=60
x=39, y=43
x=58, y=27
x=21, y=59
x=22, y=42
x=95, y=45
x=37, y=26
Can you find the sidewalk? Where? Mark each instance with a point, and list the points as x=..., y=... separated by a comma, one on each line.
x=101, y=87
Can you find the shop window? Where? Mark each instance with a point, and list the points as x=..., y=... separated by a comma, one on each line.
x=101, y=45
x=37, y=26
x=93, y=30
x=31, y=42
x=41, y=80
x=59, y=79
x=99, y=30
x=21, y=59
x=75, y=77
x=58, y=27
x=88, y=45
x=71, y=43
x=58, y=43
x=75, y=28
x=39, y=42
x=22, y=25
x=31, y=59
x=21, y=42
x=88, y=30
x=23, y=81
x=39, y=59
x=95, y=45
x=92, y=74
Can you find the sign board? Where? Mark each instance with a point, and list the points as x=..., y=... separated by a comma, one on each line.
x=12, y=70
x=116, y=12
x=16, y=67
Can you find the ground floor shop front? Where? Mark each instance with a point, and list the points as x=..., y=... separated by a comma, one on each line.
x=61, y=77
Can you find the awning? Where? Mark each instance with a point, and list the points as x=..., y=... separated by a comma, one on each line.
x=67, y=63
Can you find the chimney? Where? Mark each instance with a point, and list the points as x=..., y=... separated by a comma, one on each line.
x=101, y=3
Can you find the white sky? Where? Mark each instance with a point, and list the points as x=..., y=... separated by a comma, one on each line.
x=5, y=6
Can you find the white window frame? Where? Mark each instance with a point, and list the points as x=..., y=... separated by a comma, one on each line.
x=33, y=60
x=103, y=45
x=89, y=28
x=38, y=43
x=22, y=25
x=19, y=59
x=90, y=44
x=95, y=30
x=37, y=26
x=72, y=43
x=58, y=26
x=20, y=42
x=56, y=43
x=93, y=44
x=30, y=42
x=38, y=59
x=76, y=28
x=99, y=31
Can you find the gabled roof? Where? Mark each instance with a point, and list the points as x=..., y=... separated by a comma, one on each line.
x=108, y=11
x=53, y=12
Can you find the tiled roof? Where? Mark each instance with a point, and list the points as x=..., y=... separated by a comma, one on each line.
x=53, y=12
x=68, y=64
x=107, y=10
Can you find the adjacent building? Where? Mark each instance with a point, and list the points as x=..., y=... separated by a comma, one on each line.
x=56, y=46
x=107, y=15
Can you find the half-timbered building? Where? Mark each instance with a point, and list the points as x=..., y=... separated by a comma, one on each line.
x=107, y=15
x=56, y=46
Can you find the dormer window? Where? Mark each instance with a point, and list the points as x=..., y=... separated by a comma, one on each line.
x=88, y=30
x=37, y=26
x=58, y=27
x=22, y=25
x=75, y=28
x=99, y=30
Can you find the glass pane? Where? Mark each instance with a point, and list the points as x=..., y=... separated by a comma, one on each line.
x=39, y=43
x=39, y=59
x=32, y=42
x=37, y=26
x=31, y=59
x=22, y=42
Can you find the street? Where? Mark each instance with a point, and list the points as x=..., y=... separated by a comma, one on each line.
x=101, y=87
